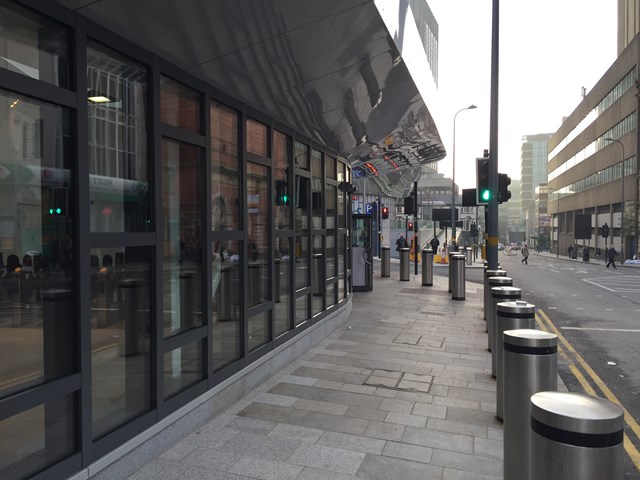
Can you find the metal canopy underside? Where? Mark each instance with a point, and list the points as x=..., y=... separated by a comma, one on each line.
x=327, y=68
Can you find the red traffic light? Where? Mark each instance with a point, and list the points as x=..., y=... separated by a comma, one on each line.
x=410, y=225
x=385, y=213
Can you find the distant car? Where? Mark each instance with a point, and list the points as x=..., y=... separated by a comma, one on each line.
x=513, y=247
x=500, y=246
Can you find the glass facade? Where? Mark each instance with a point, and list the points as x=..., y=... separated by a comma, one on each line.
x=155, y=239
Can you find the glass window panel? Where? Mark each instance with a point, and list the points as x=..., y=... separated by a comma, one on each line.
x=179, y=106
x=341, y=172
x=317, y=273
x=120, y=338
x=342, y=239
x=257, y=138
x=317, y=210
x=302, y=229
x=37, y=318
x=119, y=189
x=331, y=206
x=225, y=169
x=183, y=367
x=258, y=233
x=302, y=310
x=37, y=438
x=182, y=236
x=301, y=155
x=258, y=330
x=330, y=167
x=331, y=294
x=331, y=254
x=33, y=45
x=282, y=277
x=225, y=340
x=282, y=202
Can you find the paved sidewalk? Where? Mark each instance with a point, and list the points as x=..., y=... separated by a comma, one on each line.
x=402, y=391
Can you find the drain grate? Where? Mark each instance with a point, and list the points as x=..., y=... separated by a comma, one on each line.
x=438, y=293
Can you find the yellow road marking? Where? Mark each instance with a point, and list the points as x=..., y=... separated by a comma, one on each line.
x=629, y=420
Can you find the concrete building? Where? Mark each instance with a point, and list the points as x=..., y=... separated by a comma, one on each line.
x=174, y=205
x=533, y=168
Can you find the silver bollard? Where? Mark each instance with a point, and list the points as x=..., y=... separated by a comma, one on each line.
x=427, y=267
x=576, y=436
x=487, y=298
x=404, y=264
x=385, y=262
x=499, y=295
x=469, y=252
x=509, y=316
x=494, y=282
x=530, y=366
x=458, y=291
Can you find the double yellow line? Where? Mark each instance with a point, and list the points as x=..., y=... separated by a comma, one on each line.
x=573, y=359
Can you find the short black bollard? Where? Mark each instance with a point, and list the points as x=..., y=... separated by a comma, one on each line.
x=530, y=366
x=131, y=301
x=576, y=436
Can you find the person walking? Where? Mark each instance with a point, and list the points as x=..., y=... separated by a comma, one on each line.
x=611, y=257
x=585, y=254
x=401, y=242
x=570, y=250
x=525, y=255
x=435, y=243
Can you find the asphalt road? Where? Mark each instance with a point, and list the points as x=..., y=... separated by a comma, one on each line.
x=597, y=311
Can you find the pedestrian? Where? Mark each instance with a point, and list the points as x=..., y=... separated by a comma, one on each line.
x=570, y=250
x=453, y=247
x=611, y=257
x=585, y=254
x=598, y=253
x=525, y=255
x=435, y=243
x=401, y=242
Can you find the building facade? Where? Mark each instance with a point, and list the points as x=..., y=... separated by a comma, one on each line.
x=533, y=168
x=592, y=161
x=174, y=214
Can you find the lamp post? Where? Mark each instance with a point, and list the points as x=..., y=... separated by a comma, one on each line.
x=621, y=198
x=453, y=176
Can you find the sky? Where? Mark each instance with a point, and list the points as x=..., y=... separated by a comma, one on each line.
x=549, y=50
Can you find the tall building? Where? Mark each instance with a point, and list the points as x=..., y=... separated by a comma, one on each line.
x=628, y=22
x=533, y=167
x=175, y=213
x=592, y=161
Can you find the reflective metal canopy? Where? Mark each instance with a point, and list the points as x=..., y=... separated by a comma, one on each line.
x=328, y=68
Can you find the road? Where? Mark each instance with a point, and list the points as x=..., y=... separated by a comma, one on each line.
x=596, y=311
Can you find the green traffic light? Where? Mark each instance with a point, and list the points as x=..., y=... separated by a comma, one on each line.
x=58, y=211
x=285, y=199
x=486, y=195
x=51, y=211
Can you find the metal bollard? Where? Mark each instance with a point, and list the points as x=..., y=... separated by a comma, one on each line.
x=509, y=316
x=385, y=261
x=530, y=366
x=487, y=298
x=131, y=299
x=427, y=267
x=499, y=295
x=404, y=264
x=493, y=282
x=450, y=262
x=469, y=251
x=458, y=291
x=576, y=436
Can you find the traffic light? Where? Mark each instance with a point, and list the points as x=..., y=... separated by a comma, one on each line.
x=605, y=231
x=385, y=213
x=503, y=187
x=410, y=225
x=60, y=203
x=409, y=205
x=483, y=192
x=282, y=193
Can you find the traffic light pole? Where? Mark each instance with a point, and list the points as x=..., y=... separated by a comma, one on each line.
x=492, y=219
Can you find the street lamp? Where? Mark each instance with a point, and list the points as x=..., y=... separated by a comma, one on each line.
x=621, y=198
x=453, y=177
